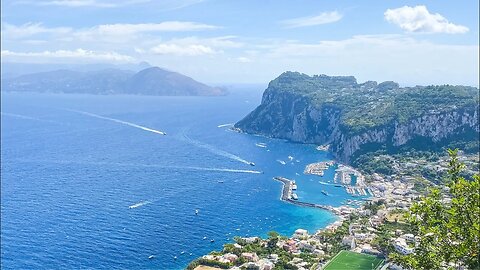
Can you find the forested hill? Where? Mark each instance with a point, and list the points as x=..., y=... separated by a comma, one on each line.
x=360, y=117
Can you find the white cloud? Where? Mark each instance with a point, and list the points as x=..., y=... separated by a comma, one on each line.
x=105, y=33
x=30, y=29
x=78, y=54
x=419, y=19
x=188, y=50
x=192, y=46
x=322, y=18
x=159, y=5
x=77, y=3
x=168, y=26
x=243, y=59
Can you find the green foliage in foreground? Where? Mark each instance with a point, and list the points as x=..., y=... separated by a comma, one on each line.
x=449, y=231
x=353, y=261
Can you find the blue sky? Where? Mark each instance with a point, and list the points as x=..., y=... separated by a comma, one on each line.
x=412, y=42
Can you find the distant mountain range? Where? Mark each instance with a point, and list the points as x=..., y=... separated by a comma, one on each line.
x=149, y=81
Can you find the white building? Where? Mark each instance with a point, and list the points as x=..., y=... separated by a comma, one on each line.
x=401, y=246
x=300, y=234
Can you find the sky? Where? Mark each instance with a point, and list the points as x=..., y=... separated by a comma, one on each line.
x=251, y=41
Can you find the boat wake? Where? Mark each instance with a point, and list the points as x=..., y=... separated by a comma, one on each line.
x=193, y=168
x=223, y=170
x=325, y=183
x=225, y=125
x=142, y=203
x=120, y=122
x=213, y=149
x=25, y=117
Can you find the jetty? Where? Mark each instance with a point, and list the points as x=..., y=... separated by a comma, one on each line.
x=287, y=195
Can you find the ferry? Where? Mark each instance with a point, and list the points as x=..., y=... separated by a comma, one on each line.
x=294, y=196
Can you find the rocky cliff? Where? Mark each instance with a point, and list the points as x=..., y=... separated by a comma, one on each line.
x=355, y=118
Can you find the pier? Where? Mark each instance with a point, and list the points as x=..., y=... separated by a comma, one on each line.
x=287, y=195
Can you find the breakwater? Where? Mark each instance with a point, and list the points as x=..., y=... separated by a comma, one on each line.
x=287, y=195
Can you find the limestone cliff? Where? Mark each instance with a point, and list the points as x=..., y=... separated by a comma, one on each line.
x=338, y=111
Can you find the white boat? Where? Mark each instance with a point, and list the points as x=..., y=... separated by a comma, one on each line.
x=294, y=196
x=151, y=257
x=251, y=164
x=196, y=211
x=262, y=145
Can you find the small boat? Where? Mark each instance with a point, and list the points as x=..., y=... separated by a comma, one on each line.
x=196, y=211
x=175, y=257
x=251, y=164
x=183, y=252
x=338, y=185
x=211, y=241
x=294, y=196
x=204, y=238
x=325, y=193
x=262, y=145
x=151, y=257
x=220, y=181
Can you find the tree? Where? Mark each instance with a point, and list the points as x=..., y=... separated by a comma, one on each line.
x=272, y=239
x=448, y=224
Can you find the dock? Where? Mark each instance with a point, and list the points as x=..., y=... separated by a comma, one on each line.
x=287, y=195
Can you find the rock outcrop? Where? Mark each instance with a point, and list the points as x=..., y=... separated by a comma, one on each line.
x=319, y=115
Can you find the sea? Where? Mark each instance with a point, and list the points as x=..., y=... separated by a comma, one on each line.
x=92, y=182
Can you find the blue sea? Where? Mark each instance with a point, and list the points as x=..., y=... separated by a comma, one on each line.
x=89, y=182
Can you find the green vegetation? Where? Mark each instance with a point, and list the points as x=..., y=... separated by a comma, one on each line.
x=448, y=224
x=353, y=261
x=369, y=105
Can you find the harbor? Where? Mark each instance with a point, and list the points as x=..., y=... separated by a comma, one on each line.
x=290, y=197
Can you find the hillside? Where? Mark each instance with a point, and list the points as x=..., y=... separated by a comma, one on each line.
x=150, y=81
x=357, y=118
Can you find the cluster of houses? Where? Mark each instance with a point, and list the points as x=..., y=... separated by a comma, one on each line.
x=393, y=189
x=396, y=195
x=252, y=260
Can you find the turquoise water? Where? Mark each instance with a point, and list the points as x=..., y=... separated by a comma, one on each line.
x=82, y=191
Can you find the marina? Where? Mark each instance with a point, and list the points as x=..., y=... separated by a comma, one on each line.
x=318, y=168
x=290, y=197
